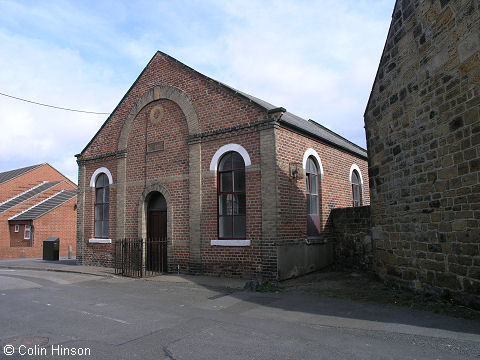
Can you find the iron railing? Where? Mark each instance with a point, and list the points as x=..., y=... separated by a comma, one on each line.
x=131, y=260
x=155, y=257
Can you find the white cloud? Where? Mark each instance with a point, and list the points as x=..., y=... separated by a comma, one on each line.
x=45, y=73
x=316, y=58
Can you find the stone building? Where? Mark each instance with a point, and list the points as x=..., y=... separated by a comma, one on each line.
x=36, y=203
x=423, y=139
x=162, y=166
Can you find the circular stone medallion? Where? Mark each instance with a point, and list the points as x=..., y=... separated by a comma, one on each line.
x=156, y=114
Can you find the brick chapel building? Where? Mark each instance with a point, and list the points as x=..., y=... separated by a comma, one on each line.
x=36, y=203
x=235, y=185
x=423, y=138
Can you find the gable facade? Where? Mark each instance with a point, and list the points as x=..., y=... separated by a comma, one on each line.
x=180, y=137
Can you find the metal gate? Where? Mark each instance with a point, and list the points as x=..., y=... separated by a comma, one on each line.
x=156, y=257
x=131, y=261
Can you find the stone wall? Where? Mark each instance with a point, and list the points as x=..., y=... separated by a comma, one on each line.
x=353, y=241
x=423, y=136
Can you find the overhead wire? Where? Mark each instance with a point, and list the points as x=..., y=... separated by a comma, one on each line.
x=53, y=106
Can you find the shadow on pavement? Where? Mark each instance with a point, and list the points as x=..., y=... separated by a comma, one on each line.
x=71, y=262
x=295, y=303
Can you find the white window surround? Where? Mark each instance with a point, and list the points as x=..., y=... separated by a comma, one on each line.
x=28, y=230
x=99, y=241
x=311, y=152
x=230, y=242
x=17, y=228
x=226, y=148
x=355, y=167
x=98, y=172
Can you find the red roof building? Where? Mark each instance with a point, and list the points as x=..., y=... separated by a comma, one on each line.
x=36, y=202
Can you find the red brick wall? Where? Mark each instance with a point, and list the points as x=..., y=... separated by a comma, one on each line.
x=17, y=239
x=335, y=188
x=216, y=107
x=60, y=222
x=170, y=165
x=111, y=165
x=232, y=261
x=28, y=180
x=99, y=254
x=4, y=228
x=19, y=185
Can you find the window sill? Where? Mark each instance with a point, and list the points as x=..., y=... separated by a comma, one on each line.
x=99, y=241
x=230, y=242
x=315, y=240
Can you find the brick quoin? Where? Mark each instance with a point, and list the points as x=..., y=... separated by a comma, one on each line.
x=186, y=117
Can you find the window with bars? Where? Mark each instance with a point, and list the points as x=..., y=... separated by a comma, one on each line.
x=356, y=189
x=312, y=194
x=231, y=197
x=101, y=206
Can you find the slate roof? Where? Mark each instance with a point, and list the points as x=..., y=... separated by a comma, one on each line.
x=14, y=201
x=46, y=205
x=311, y=127
x=11, y=174
x=322, y=132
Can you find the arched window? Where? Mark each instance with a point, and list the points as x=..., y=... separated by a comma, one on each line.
x=231, y=197
x=312, y=191
x=101, y=206
x=356, y=189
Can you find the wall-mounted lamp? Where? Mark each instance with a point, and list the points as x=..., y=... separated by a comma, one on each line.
x=294, y=171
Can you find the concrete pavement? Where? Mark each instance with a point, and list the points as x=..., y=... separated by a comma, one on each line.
x=63, y=265
x=70, y=266
x=121, y=318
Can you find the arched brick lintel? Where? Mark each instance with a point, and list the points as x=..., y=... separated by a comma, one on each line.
x=142, y=209
x=156, y=93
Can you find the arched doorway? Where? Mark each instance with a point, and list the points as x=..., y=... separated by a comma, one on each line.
x=156, y=244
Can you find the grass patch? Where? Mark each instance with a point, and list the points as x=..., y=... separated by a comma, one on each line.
x=270, y=287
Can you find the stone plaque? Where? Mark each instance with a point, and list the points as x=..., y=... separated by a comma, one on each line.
x=155, y=146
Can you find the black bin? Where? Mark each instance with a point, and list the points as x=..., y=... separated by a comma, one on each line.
x=51, y=249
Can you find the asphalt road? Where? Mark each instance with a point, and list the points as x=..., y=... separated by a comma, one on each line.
x=48, y=314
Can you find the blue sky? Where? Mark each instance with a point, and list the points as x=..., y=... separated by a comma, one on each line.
x=317, y=59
